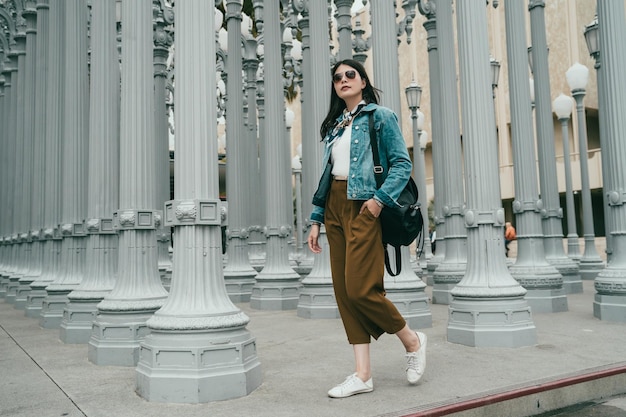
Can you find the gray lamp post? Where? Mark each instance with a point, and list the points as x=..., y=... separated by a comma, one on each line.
x=344, y=28
x=562, y=106
x=551, y=211
x=610, y=284
x=590, y=263
x=413, y=97
x=487, y=297
x=593, y=45
x=296, y=168
x=238, y=273
x=317, y=299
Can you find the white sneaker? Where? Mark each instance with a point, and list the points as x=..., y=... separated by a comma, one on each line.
x=352, y=385
x=416, y=361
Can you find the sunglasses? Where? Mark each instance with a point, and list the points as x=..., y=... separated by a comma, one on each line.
x=350, y=74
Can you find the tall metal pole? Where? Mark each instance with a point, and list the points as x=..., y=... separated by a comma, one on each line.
x=55, y=96
x=162, y=42
x=590, y=263
x=344, y=28
x=74, y=167
x=277, y=285
x=543, y=283
x=39, y=173
x=406, y=290
x=198, y=318
x=487, y=286
x=551, y=211
x=429, y=9
x=121, y=322
x=238, y=274
x=591, y=31
x=308, y=135
x=31, y=198
x=4, y=142
x=103, y=182
x=573, y=249
x=610, y=284
x=7, y=173
x=17, y=127
x=454, y=264
x=317, y=298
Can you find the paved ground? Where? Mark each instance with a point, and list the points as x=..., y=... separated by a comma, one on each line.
x=301, y=359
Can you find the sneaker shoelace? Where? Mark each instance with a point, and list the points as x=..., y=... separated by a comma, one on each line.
x=411, y=362
x=349, y=381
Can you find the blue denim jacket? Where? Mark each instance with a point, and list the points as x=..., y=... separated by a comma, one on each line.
x=394, y=159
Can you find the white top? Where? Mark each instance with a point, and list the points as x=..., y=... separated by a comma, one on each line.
x=341, y=153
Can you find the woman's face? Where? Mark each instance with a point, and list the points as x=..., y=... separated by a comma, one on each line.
x=348, y=83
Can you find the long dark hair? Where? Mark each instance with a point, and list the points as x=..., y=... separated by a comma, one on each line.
x=337, y=105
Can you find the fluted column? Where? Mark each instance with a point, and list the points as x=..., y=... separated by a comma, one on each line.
x=543, y=283
x=251, y=152
x=406, y=290
x=5, y=206
x=31, y=200
x=74, y=167
x=610, y=284
x=551, y=211
x=54, y=128
x=343, y=18
x=429, y=10
x=317, y=298
x=163, y=39
x=17, y=130
x=213, y=348
x=308, y=135
x=277, y=285
x=385, y=52
x=39, y=173
x=103, y=179
x=3, y=162
x=10, y=76
x=452, y=268
x=488, y=306
x=257, y=239
x=121, y=322
x=238, y=274
x=602, y=125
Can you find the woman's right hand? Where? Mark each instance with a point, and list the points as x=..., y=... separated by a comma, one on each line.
x=314, y=234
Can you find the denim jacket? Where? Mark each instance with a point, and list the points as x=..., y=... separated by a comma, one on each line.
x=394, y=159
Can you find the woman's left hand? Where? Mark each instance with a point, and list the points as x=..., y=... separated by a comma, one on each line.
x=372, y=206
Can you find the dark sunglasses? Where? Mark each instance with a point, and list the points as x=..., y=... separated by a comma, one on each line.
x=350, y=74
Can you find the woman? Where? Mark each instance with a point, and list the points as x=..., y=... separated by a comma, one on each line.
x=349, y=204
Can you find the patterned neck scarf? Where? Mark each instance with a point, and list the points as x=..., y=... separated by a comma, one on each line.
x=346, y=118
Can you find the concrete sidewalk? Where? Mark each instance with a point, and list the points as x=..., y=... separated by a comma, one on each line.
x=301, y=359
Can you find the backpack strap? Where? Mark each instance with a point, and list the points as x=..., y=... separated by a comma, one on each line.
x=398, y=262
x=378, y=174
x=378, y=168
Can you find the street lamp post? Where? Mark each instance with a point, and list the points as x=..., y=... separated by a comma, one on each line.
x=551, y=210
x=562, y=106
x=413, y=97
x=590, y=263
x=593, y=44
x=610, y=300
x=296, y=168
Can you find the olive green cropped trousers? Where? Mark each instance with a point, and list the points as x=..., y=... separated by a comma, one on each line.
x=357, y=261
